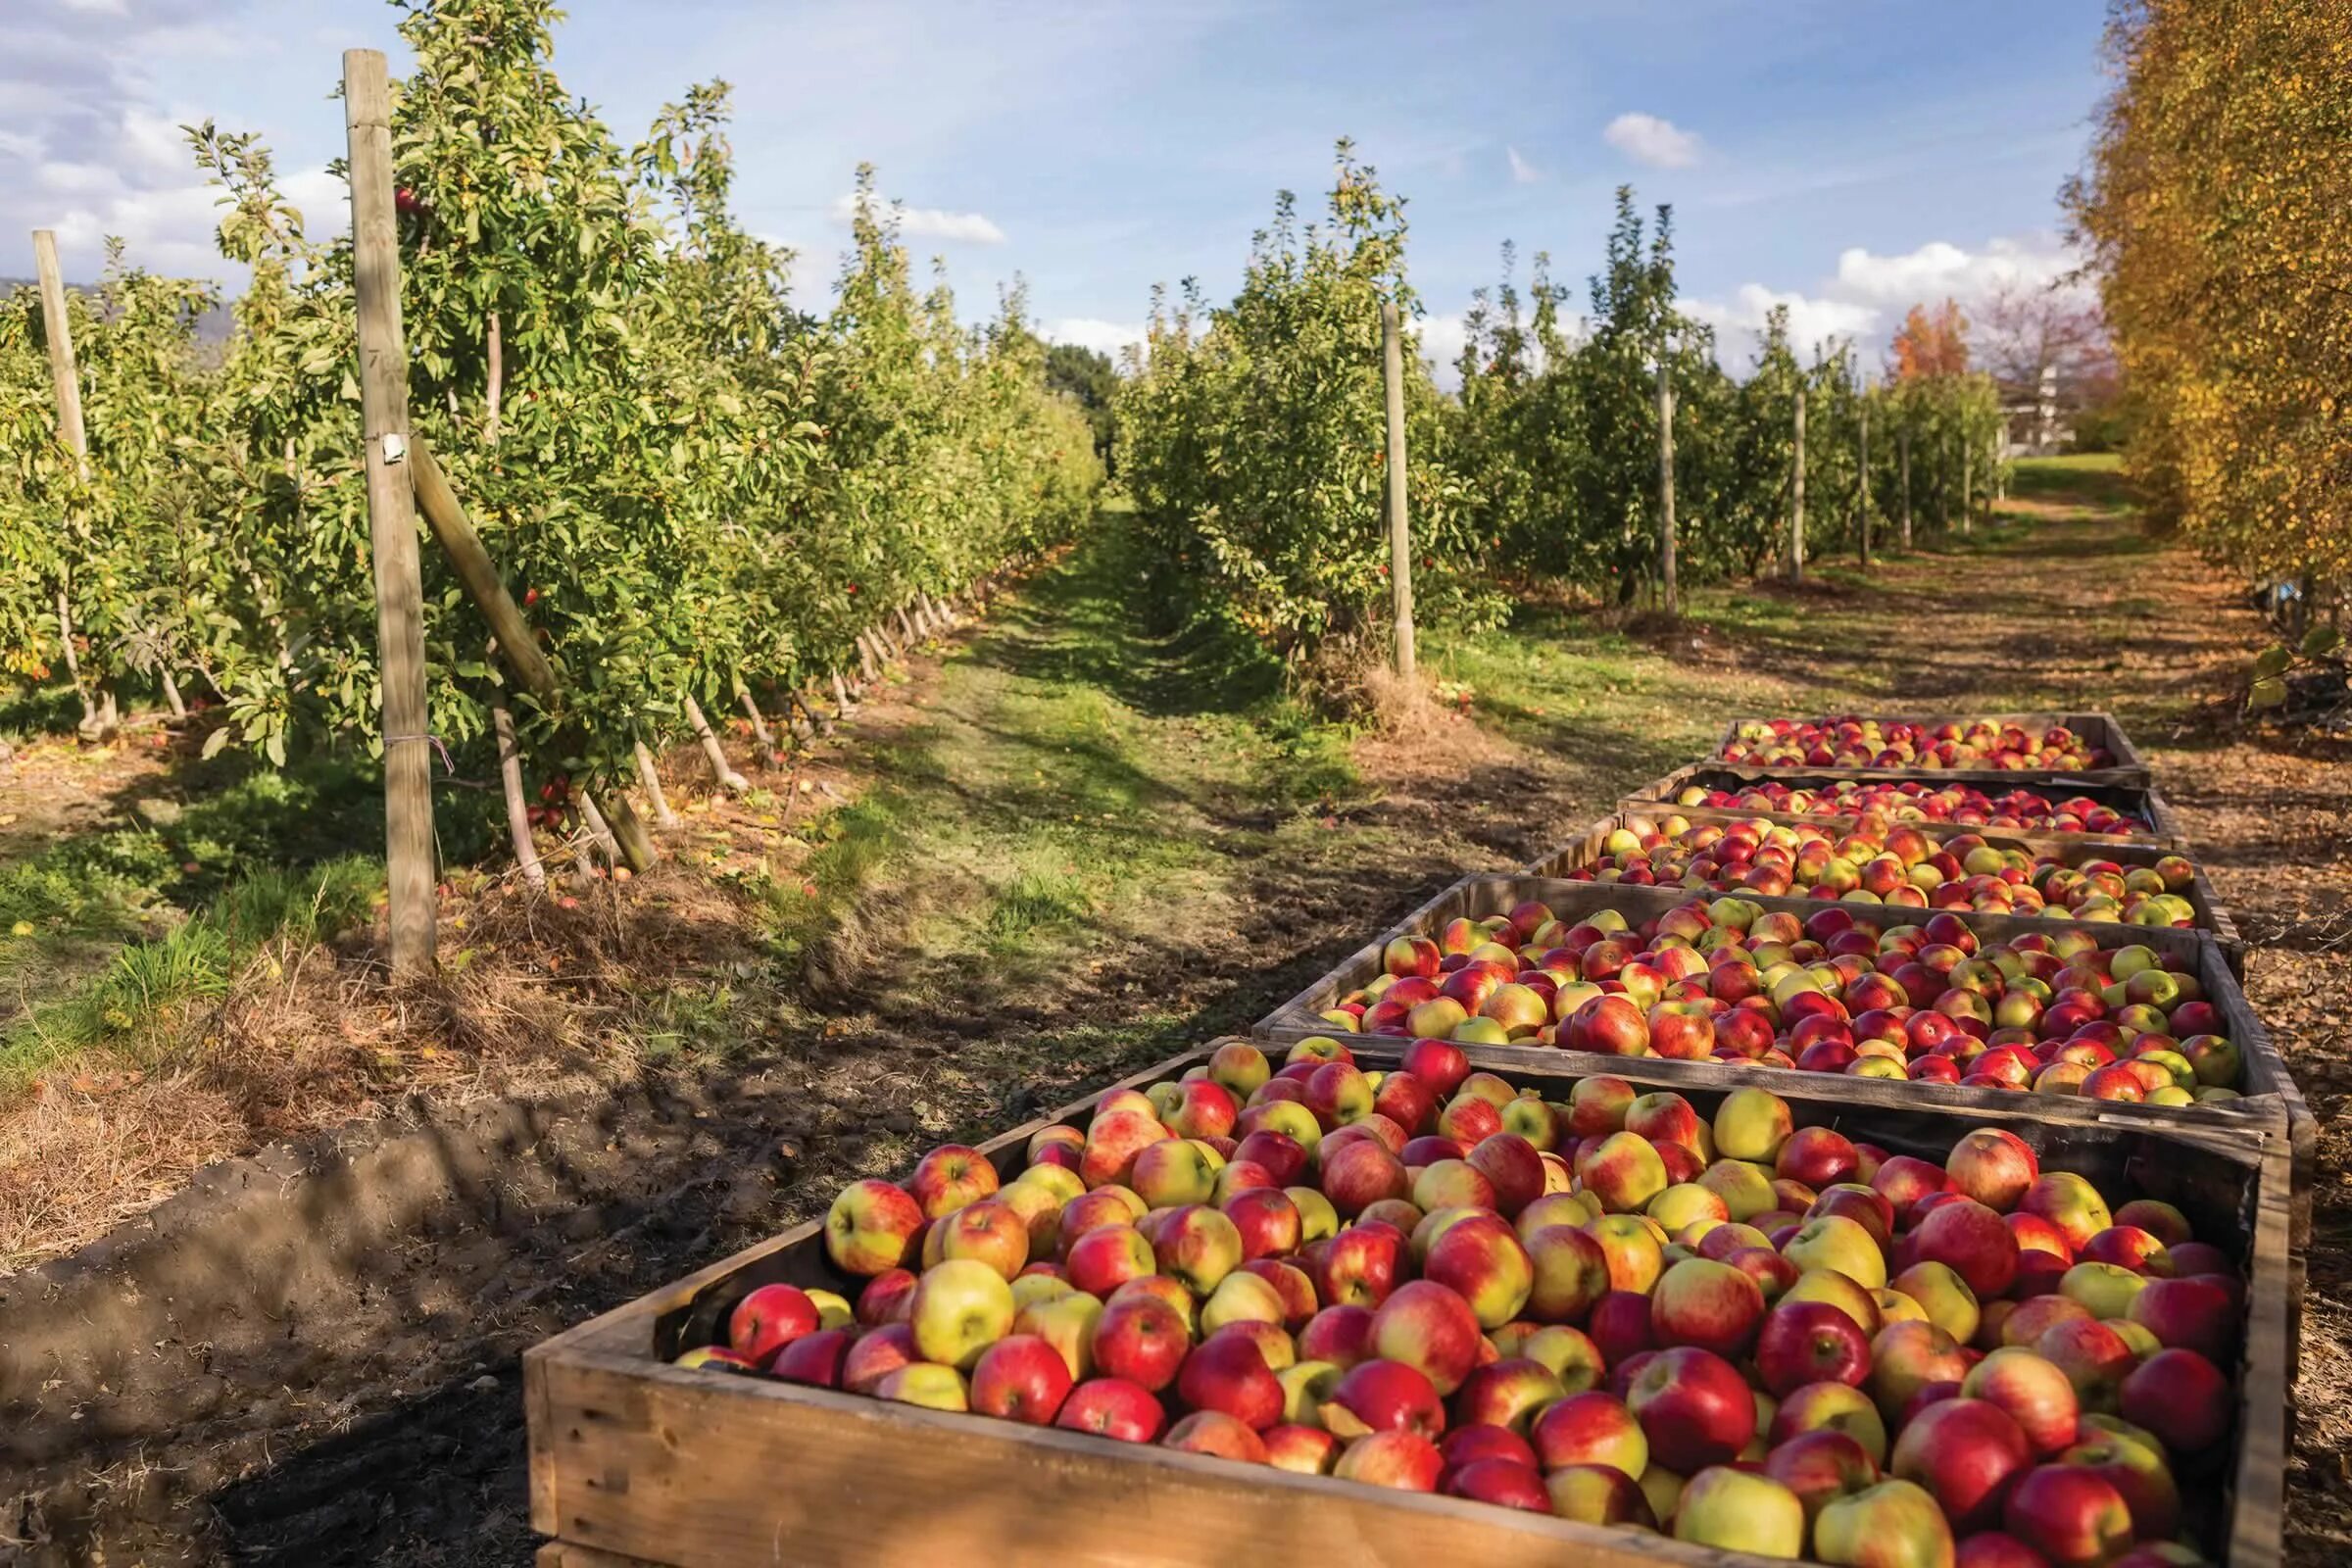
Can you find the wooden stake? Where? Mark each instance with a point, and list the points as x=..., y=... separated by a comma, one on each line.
x=649, y=778
x=494, y=350
x=1666, y=541
x=391, y=519
x=906, y=627
x=478, y=575
x=1862, y=477
x=1796, y=499
x=600, y=831
x=66, y=383
x=841, y=694
x=732, y=782
x=1401, y=533
x=768, y=743
x=1968, y=465
x=518, y=806
x=1903, y=446
x=867, y=663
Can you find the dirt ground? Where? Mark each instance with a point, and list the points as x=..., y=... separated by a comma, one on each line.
x=373, y=1414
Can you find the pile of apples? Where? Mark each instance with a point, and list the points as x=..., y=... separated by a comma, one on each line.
x=1877, y=862
x=1868, y=743
x=1909, y=800
x=1727, y=979
x=1746, y=1334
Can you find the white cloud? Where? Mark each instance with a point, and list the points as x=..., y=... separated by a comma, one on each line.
x=1090, y=332
x=928, y=223
x=1523, y=172
x=1938, y=269
x=1443, y=335
x=1738, y=322
x=1648, y=139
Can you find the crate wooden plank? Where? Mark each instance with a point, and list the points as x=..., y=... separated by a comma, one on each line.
x=2098, y=728
x=2144, y=801
x=655, y=1464
x=2213, y=916
x=2270, y=1090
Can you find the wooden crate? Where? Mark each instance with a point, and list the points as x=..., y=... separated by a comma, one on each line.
x=2213, y=916
x=633, y=1460
x=2270, y=1090
x=2099, y=729
x=2138, y=800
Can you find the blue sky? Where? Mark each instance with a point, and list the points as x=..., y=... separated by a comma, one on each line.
x=1844, y=158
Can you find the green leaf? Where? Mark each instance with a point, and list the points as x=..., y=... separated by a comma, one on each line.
x=216, y=743
x=2271, y=662
x=2321, y=641
x=2268, y=692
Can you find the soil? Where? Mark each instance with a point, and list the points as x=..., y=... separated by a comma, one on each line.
x=312, y=1358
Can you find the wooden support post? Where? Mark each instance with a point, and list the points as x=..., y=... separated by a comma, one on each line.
x=600, y=831
x=906, y=627
x=494, y=354
x=1968, y=474
x=1903, y=446
x=66, y=383
x=1666, y=540
x=1862, y=476
x=721, y=770
x=478, y=575
x=1796, y=498
x=391, y=519
x=518, y=806
x=841, y=693
x=1400, y=533
x=649, y=779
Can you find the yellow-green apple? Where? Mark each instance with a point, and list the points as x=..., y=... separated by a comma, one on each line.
x=1752, y=1124
x=1993, y=1167
x=1833, y=1407
x=1624, y=1172
x=1629, y=1244
x=2158, y=1218
x=1835, y=1289
x=1142, y=1339
x=1709, y=1305
x=1317, y=1219
x=1506, y=1392
x=1067, y=1323
x=2139, y=1472
x=1972, y=1241
x=952, y=1176
x=1108, y=1256
x=1031, y=1286
x=1357, y=1267
x=1301, y=1449
x=1805, y=1343
x=1571, y=1354
x=2069, y=1203
x=1039, y=1205
x=1383, y=1397
x=1906, y=1358
x=1662, y=1490
x=1241, y=1299
x=927, y=1384
x=1594, y=1427
x=1599, y=1494
x=1483, y=1261
x=1835, y=1242
x=1821, y=1466
x=1685, y=1205
x=1532, y=1122
x=2143, y=1343
x=1292, y=1287
x=2197, y=1313
x=813, y=1360
x=1896, y=1308
x=2107, y=1289
x=1307, y=1387
x=990, y=1232
x=877, y=1353
x=1286, y=1117
x=1401, y=1461
x=767, y=1319
x=1430, y=1328
x=1113, y=1142
x=1895, y=1524
x=1113, y=1407
x=1745, y=1188
x=1240, y=1067
x=1214, y=1432
x=1338, y=1092
x=871, y=1226
x=2182, y=1398
x=1197, y=1247
x=1570, y=1272
x=1021, y=1378
x=1966, y=1453
x=960, y=1308
x=1452, y=1183
x=1341, y=1334
x=1695, y=1408
x=1597, y=1105
x=1945, y=1296
x=2070, y=1514
x=1735, y=1511
x=2035, y=1392
x=1060, y=1181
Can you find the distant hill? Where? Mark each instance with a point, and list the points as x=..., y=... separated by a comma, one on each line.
x=212, y=327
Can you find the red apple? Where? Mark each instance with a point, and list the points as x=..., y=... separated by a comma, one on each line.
x=814, y=1360
x=1810, y=1342
x=1021, y=1378
x=1384, y=1396
x=1709, y=1305
x=1591, y=1428
x=1228, y=1373
x=1113, y=1407
x=2182, y=1398
x=2034, y=1391
x=1403, y=1461
x=1430, y=1328
x=2070, y=1514
x=1967, y=1453
x=1695, y=1409
x=1214, y=1432
x=877, y=1353
x=769, y=1319
x=1970, y=1238
x=1820, y=1467
x=1141, y=1338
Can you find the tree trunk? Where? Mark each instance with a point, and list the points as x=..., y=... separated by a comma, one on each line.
x=1862, y=484
x=1904, y=447
x=600, y=832
x=518, y=806
x=732, y=782
x=1666, y=539
x=172, y=703
x=768, y=743
x=906, y=627
x=1796, y=499
x=495, y=353
x=1968, y=499
x=841, y=694
x=867, y=663
x=1400, y=531
x=649, y=778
